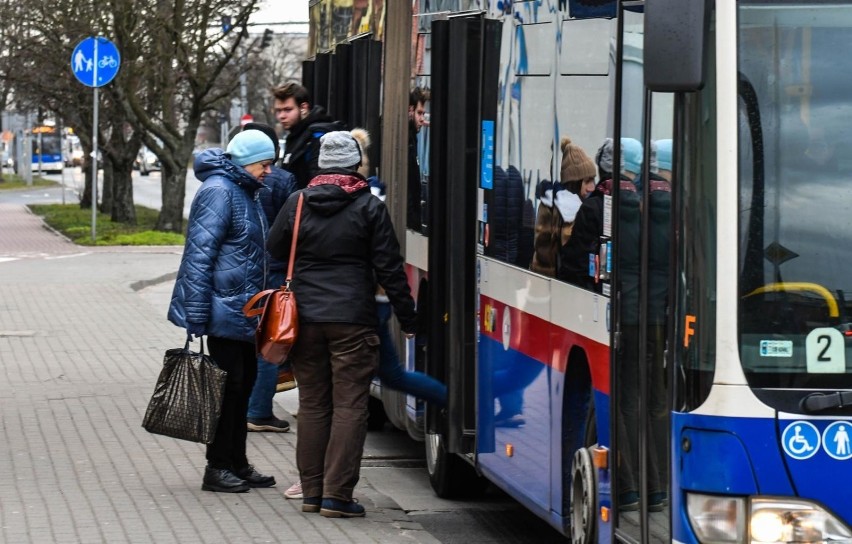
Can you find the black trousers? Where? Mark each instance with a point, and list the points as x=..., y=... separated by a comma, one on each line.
x=238, y=359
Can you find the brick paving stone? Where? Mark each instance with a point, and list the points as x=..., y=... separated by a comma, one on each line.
x=80, y=351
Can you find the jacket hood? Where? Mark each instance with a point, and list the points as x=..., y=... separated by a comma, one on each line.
x=214, y=161
x=333, y=190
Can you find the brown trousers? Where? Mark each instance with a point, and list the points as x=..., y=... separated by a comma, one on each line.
x=333, y=364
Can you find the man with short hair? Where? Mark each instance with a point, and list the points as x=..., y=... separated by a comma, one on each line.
x=305, y=124
x=416, y=120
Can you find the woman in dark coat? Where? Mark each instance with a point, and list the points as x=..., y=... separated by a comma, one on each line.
x=346, y=243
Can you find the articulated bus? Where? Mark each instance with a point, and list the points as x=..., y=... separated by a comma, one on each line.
x=695, y=386
x=46, y=147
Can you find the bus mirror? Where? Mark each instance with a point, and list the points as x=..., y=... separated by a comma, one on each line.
x=675, y=42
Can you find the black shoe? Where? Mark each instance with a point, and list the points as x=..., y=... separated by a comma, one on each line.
x=272, y=424
x=223, y=480
x=255, y=478
x=336, y=508
x=311, y=504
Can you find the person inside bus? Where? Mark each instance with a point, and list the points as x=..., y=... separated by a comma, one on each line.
x=416, y=120
x=584, y=243
x=278, y=184
x=659, y=221
x=558, y=205
x=222, y=267
x=346, y=246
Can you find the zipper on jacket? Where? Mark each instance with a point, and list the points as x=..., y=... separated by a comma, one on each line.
x=258, y=207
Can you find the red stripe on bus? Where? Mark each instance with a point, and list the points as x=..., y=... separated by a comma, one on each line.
x=542, y=340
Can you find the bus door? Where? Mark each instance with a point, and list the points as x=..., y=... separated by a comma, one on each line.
x=464, y=88
x=641, y=230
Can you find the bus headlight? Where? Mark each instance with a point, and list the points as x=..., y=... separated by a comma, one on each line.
x=793, y=520
x=717, y=519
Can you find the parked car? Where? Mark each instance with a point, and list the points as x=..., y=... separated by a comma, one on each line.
x=146, y=162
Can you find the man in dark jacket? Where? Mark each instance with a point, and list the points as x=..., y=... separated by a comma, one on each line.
x=345, y=245
x=278, y=184
x=305, y=125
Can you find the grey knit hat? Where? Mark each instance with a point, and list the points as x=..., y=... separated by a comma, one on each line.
x=603, y=158
x=339, y=150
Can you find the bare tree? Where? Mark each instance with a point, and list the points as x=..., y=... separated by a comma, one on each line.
x=177, y=53
x=176, y=65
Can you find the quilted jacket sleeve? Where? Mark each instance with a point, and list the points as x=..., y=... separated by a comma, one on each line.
x=209, y=223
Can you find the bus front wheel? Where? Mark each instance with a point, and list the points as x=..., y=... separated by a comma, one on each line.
x=583, y=497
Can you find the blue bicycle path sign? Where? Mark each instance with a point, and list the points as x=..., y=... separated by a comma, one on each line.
x=95, y=61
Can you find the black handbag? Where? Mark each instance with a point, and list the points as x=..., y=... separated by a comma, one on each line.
x=187, y=399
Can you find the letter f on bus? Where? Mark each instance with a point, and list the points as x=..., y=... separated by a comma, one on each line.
x=688, y=329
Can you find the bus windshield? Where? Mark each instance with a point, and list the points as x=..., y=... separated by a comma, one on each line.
x=795, y=206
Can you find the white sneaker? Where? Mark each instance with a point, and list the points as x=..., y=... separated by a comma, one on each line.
x=294, y=491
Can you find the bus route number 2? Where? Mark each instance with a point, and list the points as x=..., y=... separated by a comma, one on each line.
x=825, y=350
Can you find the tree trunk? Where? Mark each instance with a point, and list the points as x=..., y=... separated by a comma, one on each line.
x=107, y=192
x=123, y=210
x=174, y=194
x=86, y=199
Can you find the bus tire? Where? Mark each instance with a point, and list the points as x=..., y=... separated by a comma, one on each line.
x=377, y=417
x=450, y=475
x=583, y=502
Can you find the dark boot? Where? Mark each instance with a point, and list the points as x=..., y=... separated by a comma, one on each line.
x=254, y=478
x=223, y=480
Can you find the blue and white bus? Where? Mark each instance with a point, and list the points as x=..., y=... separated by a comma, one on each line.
x=695, y=387
x=46, y=148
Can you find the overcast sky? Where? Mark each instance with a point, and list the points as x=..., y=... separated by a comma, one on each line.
x=279, y=11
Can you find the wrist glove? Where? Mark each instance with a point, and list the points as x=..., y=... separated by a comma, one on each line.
x=196, y=329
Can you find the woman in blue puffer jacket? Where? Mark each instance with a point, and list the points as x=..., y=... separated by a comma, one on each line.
x=223, y=266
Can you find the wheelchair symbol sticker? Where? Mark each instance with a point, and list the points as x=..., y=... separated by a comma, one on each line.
x=801, y=440
x=835, y=440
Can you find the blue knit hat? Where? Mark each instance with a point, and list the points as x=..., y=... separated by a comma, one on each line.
x=249, y=147
x=632, y=155
x=664, y=154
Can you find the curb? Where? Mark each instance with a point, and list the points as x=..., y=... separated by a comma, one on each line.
x=142, y=284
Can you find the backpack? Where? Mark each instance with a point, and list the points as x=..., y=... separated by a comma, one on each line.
x=308, y=145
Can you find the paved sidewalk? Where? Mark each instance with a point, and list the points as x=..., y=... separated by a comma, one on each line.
x=80, y=351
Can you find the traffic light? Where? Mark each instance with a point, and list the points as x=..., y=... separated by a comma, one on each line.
x=267, y=38
x=226, y=24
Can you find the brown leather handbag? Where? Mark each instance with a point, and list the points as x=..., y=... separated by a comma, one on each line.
x=279, y=321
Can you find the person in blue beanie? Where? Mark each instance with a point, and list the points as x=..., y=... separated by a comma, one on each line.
x=277, y=186
x=223, y=266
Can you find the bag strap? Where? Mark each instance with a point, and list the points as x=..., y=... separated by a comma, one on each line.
x=248, y=311
x=293, y=243
x=189, y=339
